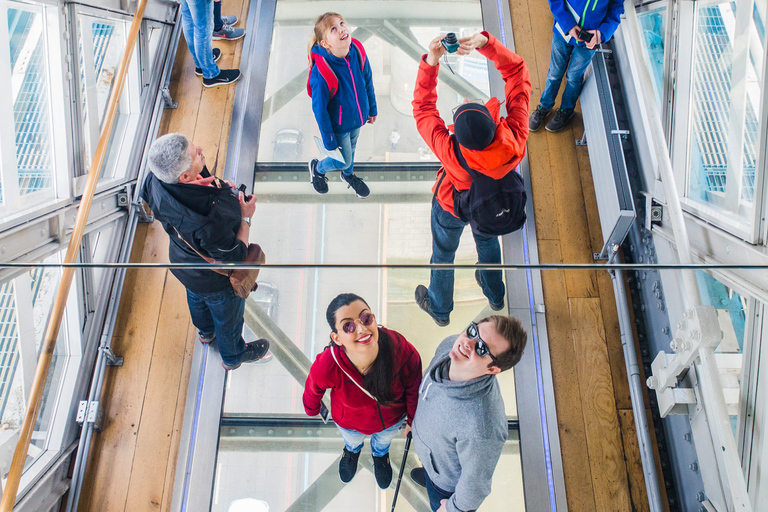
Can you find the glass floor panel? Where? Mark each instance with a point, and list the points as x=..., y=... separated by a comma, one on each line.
x=271, y=456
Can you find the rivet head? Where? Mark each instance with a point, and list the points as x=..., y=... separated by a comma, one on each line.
x=270, y=432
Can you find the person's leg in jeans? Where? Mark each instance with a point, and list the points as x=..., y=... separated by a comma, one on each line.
x=201, y=315
x=436, y=494
x=574, y=79
x=226, y=310
x=446, y=233
x=353, y=439
x=347, y=148
x=197, y=24
x=489, y=251
x=558, y=63
x=380, y=441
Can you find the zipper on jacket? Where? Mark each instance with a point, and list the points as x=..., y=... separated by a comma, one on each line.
x=381, y=417
x=354, y=87
x=339, y=115
x=583, y=15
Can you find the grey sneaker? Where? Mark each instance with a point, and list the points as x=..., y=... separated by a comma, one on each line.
x=361, y=189
x=216, y=57
x=560, y=120
x=319, y=181
x=229, y=20
x=228, y=33
x=495, y=307
x=537, y=118
x=254, y=351
x=422, y=299
x=225, y=77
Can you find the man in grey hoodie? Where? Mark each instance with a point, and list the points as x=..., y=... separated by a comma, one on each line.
x=460, y=425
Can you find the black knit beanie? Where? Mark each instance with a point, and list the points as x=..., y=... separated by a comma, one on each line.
x=474, y=126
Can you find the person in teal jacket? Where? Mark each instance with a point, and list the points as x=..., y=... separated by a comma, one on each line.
x=580, y=25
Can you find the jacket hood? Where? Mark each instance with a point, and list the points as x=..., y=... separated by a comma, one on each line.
x=494, y=160
x=185, y=206
x=322, y=52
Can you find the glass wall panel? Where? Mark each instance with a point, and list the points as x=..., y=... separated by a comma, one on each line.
x=31, y=181
x=652, y=24
x=731, y=310
x=712, y=178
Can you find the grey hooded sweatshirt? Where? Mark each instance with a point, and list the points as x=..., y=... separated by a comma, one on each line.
x=459, y=431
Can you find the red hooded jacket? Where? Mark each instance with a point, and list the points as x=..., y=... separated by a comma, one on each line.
x=508, y=146
x=350, y=407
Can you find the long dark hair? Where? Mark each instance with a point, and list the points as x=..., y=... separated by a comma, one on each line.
x=378, y=379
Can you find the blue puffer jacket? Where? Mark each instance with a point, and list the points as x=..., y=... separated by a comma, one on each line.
x=603, y=15
x=352, y=104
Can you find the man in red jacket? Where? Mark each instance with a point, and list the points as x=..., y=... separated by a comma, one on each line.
x=490, y=144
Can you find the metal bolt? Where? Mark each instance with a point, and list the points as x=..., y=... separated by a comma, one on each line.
x=688, y=436
x=700, y=496
x=694, y=467
x=665, y=330
x=251, y=431
x=270, y=432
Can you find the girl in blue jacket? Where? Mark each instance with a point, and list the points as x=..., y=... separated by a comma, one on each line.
x=341, y=87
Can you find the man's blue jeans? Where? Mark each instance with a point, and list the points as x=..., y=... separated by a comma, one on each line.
x=347, y=145
x=436, y=494
x=222, y=313
x=197, y=23
x=563, y=53
x=446, y=233
x=380, y=441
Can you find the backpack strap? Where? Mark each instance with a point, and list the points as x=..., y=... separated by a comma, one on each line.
x=462, y=161
x=331, y=80
x=360, y=52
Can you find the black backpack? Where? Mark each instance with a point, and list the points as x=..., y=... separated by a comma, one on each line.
x=492, y=207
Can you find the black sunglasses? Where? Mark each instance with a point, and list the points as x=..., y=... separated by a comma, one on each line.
x=349, y=326
x=481, y=347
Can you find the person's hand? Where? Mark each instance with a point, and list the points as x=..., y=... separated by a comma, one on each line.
x=442, y=506
x=596, y=39
x=574, y=32
x=436, y=50
x=371, y=119
x=247, y=204
x=407, y=430
x=469, y=43
x=230, y=183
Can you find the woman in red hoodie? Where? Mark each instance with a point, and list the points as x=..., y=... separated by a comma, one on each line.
x=374, y=375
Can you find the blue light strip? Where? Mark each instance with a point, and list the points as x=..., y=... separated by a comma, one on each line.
x=534, y=330
x=193, y=436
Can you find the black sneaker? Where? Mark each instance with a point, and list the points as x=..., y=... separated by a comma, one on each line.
x=560, y=120
x=537, y=118
x=383, y=470
x=495, y=307
x=422, y=299
x=361, y=189
x=206, y=338
x=319, y=181
x=216, y=57
x=254, y=351
x=225, y=77
x=348, y=465
x=419, y=476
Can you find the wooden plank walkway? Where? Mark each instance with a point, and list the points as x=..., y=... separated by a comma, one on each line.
x=132, y=462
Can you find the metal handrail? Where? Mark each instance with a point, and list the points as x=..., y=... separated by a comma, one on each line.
x=57, y=313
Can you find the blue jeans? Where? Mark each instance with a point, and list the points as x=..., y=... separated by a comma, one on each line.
x=197, y=23
x=436, y=494
x=380, y=441
x=222, y=313
x=446, y=233
x=563, y=53
x=347, y=145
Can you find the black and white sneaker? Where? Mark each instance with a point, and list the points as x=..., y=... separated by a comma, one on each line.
x=422, y=299
x=254, y=351
x=361, y=189
x=319, y=181
x=560, y=121
x=382, y=470
x=216, y=57
x=348, y=465
x=225, y=77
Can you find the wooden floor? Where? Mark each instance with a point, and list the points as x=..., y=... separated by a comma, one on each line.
x=132, y=463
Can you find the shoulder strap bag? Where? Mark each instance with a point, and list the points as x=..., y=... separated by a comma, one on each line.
x=333, y=353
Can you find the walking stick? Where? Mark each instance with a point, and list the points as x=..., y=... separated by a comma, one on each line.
x=402, y=468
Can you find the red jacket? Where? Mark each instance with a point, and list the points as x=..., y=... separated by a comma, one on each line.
x=508, y=146
x=351, y=408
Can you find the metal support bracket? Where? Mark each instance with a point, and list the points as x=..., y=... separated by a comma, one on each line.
x=167, y=100
x=143, y=213
x=112, y=359
x=123, y=200
x=583, y=140
x=91, y=412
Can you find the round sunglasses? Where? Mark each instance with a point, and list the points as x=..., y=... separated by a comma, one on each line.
x=349, y=326
x=481, y=347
